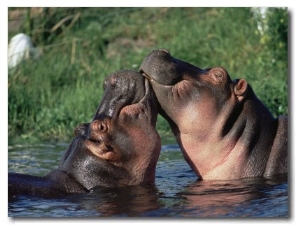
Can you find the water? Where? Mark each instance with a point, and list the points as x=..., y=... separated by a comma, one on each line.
x=177, y=192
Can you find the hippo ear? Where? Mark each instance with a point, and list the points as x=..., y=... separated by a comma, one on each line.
x=240, y=87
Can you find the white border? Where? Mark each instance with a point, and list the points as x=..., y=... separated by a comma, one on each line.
x=293, y=114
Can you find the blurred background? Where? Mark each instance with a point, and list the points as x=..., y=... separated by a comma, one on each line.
x=59, y=83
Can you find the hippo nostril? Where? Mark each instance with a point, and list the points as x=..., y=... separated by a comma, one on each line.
x=98, y=126
x=102, y=127
x=97, y=130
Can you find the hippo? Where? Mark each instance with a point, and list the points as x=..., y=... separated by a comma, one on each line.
x=224, y=131
x=119, y=147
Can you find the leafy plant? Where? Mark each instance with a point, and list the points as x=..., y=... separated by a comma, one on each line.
x=48, y=97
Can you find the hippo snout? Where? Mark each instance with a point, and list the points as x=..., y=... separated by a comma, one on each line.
x=97, y=129
x=161, y=67
x=94, y=130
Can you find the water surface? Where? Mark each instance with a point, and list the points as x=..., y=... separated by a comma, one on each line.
x=177, y=192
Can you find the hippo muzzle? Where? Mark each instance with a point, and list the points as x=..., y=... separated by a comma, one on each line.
x=164, y=69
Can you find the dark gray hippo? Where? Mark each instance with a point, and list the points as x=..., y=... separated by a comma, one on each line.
x=119, y=147
x=223, y=129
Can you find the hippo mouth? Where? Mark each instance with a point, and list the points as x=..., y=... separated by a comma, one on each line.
x=156, y=82
x=167, y=79
x=174, y=92
x=99, y=144
x=126, y=92
x=140, y=107
x=124, y=111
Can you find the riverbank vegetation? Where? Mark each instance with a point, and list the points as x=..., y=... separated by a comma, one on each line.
x=79, y=47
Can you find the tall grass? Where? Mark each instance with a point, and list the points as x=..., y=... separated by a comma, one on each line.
x=81, y=46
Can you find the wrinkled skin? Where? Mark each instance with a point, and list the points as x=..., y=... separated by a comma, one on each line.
x=119, y=147
x=223, y=129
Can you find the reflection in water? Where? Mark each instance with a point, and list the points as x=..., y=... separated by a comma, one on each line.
x=236, y=198
x=177, y=192
x=125, y=201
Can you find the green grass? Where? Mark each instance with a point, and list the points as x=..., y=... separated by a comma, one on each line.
x=49, y=96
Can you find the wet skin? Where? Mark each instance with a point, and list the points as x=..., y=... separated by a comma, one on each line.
x=223, y=129
x=119, y=147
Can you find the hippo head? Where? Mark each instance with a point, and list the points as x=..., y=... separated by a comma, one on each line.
x=187, y=93
x=222, y=128
x=120, y=146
